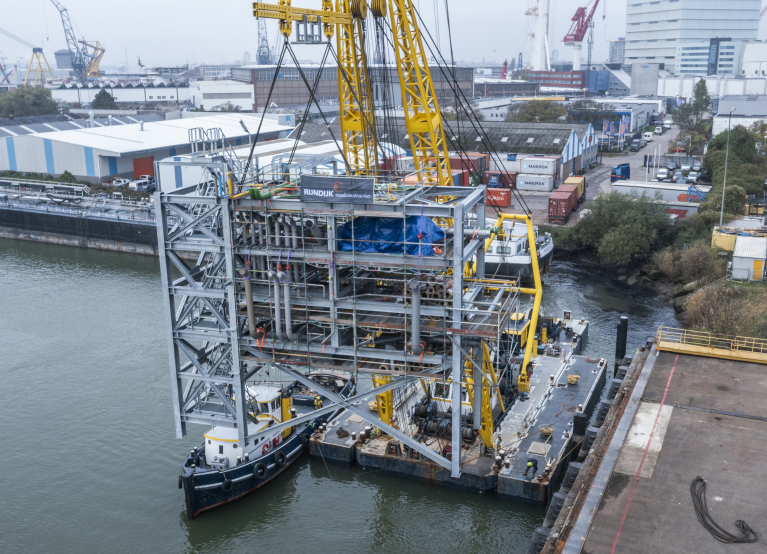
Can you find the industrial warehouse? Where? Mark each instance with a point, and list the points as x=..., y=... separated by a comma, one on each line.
x=457, y=276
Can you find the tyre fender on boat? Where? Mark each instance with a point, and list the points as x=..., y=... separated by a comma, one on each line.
x=180, y=482
x=305, y=438
x=260, y=470
x=227, y=485
x=280, y=459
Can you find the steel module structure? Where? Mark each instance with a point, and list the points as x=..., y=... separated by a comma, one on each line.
x=256, y=280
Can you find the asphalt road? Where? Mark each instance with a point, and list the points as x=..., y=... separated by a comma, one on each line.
x=598, y=178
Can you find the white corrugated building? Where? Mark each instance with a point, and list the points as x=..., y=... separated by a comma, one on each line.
x=132, y=94
x=748, y=259
x=96, y=154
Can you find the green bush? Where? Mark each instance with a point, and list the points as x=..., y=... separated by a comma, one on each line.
x=623, y=229
x=25, y=101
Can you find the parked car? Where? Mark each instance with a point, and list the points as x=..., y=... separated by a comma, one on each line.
x=648, y=137
x=671, y=166
x=668, y=180
x=148, y=188
x=667, y=123
x=663, y=173
x=655, y=180
x=120, y=182
x=134, y=185
x=697, y=166
x=660, y=129
x=635, y=146
x=642, y=143
x=686, y=167
x=692, y=177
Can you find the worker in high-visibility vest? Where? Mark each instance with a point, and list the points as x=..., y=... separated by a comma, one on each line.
x=317, y=402
x=532, y=464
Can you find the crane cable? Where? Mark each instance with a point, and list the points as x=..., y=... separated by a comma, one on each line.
x=467, y=108
x=698, y=492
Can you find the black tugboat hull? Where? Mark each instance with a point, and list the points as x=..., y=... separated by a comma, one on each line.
x=207, y=490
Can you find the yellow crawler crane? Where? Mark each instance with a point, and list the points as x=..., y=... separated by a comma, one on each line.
x=419, y=98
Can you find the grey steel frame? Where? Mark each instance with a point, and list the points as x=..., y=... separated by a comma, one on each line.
x=201, y=305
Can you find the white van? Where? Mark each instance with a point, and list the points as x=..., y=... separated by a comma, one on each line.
x=648, y=136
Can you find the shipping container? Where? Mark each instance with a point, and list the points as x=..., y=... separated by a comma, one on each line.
x=575, y=190
x=504, y=179
x=475, y=163
x=669, y=192
x=561, y=205
x=581, y=183
x=460, y=177
x=499, y=198
x=486, y=163
x=544, y=183
x=540, y=165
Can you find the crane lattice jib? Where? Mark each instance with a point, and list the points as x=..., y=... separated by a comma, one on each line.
x=355, y=92
x=78, y=60
x=419, y=98
x=92, y=70
x=580, y=24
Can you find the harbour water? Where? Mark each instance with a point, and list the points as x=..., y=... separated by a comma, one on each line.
x=91, y=458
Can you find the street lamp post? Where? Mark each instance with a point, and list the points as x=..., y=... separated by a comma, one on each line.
x=726, y=157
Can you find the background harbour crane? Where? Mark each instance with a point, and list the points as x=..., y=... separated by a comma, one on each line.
x=37, y=60
x=577, y=32
x=85, y=64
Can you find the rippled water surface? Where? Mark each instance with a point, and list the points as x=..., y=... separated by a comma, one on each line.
x=91, y=458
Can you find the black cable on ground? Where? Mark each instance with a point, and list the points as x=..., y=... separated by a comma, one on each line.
x=698, y=492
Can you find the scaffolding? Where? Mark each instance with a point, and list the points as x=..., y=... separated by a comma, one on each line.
x=257, y=279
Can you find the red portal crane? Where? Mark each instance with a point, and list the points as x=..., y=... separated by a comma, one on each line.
x=577, y=32
x=504, y=68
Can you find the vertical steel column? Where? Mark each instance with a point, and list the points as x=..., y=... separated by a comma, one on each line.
x=169, y=306
x=457, y=324
x=231, y=295
x=333, y=284
x=481, y=205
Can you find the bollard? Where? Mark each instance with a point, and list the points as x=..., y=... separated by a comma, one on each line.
x=622, y=339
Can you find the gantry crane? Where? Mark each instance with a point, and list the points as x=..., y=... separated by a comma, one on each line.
x=37, y=60
x=577, y=32
x=422, y=116
x=85, y=64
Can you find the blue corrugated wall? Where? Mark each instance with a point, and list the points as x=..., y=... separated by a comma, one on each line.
x=49, y=165
x=89, y=170
x=11, y=153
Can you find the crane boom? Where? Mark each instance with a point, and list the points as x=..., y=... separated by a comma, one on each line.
x=419, y=98
x=79, y=66
x=580, y=24
x=17, y=39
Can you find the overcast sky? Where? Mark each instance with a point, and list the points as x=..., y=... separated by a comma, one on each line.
x=167, y=33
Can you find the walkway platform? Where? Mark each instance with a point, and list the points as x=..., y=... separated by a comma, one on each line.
x=698, y=416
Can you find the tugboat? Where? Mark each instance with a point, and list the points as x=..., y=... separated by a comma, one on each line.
x=220, y=470
x=509, y=256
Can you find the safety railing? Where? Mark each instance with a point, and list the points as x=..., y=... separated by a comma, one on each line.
x=709, y=344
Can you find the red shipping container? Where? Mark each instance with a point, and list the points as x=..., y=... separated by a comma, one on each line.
x=460, y=177
x=562, y=203
x=500, y=198
x=567, y=188
x=505, y=179
x=475, y=164
x=485, y=163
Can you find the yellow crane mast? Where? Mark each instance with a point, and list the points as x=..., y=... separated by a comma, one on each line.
x=419, y=98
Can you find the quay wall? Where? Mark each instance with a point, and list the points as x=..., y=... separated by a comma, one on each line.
x=120, y=235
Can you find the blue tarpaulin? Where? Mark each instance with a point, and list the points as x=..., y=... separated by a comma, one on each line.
x=384, y=235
